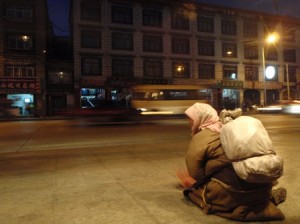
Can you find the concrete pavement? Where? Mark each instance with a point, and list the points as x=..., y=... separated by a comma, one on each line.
x=132, y=184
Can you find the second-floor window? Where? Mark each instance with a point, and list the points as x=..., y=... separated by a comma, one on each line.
x=271, y=53
x=206, y=71
x=91, y=10
x=19, y=71
x=290, y=74
x=20, y=42
x=90, y=39
x=19, y=12
x=251, y=73
x=121, y=14
x=229, y=27
x=181, y=69
x=152, y=17
x=206, y=47
x=122, y=67
x=180, y=46
x=58, y=77
x=153, y=68
x=230, y=72
x=122, y=41
x=91, y=66
x=152, y=43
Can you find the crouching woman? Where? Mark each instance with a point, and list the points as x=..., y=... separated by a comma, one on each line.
x=214, y=185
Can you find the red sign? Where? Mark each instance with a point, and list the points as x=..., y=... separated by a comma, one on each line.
x=20, y=85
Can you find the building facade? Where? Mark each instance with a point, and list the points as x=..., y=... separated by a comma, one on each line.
x=23, y=27
x=118, y=44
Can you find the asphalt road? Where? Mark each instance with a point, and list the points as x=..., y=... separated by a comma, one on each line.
x=75, y=133
x=80, y=171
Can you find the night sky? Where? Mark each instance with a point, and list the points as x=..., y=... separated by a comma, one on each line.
x=59, y=9
x=59, y=15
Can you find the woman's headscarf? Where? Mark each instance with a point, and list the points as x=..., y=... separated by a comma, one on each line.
x=203, y=116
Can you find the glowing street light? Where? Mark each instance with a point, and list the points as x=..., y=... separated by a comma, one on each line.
x=272, y=38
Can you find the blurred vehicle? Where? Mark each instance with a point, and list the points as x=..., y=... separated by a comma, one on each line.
x=293, y=107
x=274, y=108
x=282, y=106
x=109, y=111
x=167, y=99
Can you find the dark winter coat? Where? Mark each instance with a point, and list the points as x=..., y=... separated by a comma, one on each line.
x=219, y=190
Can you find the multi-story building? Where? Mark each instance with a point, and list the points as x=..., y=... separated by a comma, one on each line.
x=23, y=27
x=118, y=44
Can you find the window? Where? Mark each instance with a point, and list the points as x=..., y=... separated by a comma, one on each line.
x=19, y=12
x=58, y=77
x=289, y=55
x=229, y=50
x=289, y=34
x=205, y=24
x=250, y=52
x=20, y=42
x=271, y=53
x=121, y=14
x=152, y=43
x=153, y=68
x=90, y=10
x=230, y=72
x=206, y=71
x=180, y=21
x=90, y=39
x=250, y=29
x=292, y=74
x=152, y=17
x=19, y=71
x=91, y=66
x=122, y=41
x=206, y=47
x=251, y=73
x=181, y=69
x=122, y=67
x=229, y=27
x=180, y=46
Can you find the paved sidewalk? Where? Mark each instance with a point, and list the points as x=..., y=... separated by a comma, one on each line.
x=132, y=184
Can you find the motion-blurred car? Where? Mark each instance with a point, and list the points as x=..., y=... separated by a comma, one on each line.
x=292, y=107
x=107, y=112
x=274, y=108
x=282, y=106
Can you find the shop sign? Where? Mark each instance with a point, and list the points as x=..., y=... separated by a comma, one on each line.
x=20, y=85
x=232, y=84
x=127, y=82
x=155, y=81
x=122, y=81
x=91, y=82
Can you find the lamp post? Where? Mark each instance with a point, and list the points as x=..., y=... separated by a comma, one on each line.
x=271, y=39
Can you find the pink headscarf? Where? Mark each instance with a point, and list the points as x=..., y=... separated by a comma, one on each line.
x=203, y=116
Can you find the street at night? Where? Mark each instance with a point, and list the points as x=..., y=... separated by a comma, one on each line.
x=71, y=171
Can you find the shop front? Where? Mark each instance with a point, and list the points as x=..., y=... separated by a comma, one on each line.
x=23, y=94
x=231, y=94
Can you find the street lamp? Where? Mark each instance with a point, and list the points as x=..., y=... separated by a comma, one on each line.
x=271, y=39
